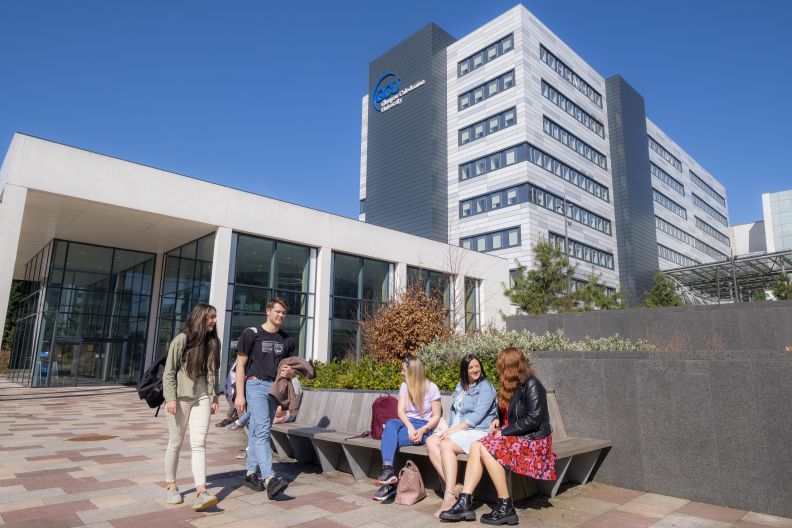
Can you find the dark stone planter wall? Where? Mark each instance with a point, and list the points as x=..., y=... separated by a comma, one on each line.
x=708, y=425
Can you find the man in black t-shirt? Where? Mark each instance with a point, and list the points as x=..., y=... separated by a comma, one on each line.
x=259, y=351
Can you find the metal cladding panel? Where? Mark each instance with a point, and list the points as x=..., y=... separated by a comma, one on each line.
x=406, y=161
x=636, y=237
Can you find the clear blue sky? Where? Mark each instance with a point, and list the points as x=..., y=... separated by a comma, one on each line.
x=265, y=96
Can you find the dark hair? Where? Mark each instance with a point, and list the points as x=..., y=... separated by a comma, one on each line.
x=202, y=348
x=463, y=371
x=278, y=300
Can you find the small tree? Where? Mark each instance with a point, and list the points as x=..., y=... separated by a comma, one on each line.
x=14, y=298
x=782, y=287
x=663, y=292
x=408, y=321
x=546, y=287
x=593, y=295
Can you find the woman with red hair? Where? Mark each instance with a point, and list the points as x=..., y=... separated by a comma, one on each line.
x=519, y=440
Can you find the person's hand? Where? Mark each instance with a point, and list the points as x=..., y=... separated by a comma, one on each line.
x=494, y=425
x=286, y=372
x=170, y=407
x=443, y=435
x=215, y=405
x=418, y=435
x=239, y=403
x=497, y=433
x=411, y=433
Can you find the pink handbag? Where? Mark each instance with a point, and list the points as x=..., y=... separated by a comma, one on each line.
x=411, y=487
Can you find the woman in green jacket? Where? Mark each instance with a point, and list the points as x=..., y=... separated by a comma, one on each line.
x=189, y=384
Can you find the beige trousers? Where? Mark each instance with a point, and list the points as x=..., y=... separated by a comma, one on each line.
x=194, y=412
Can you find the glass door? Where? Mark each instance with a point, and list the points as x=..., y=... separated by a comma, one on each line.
x=89, y=363
x=62, y=362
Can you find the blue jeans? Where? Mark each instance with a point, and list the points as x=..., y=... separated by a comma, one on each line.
x=394, y=436
x=262, y=410
x=244, y=418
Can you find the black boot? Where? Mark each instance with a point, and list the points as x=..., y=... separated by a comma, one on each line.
x=462, y=510
x=502, y=513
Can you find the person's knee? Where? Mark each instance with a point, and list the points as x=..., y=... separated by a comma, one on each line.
x=448, y=445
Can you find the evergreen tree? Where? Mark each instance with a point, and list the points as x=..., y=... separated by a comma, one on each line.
x=782, y=288
x=546, y=287
x=663, y=292
x=593, y=295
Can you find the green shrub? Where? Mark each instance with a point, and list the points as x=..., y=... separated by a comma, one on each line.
x=442, y=359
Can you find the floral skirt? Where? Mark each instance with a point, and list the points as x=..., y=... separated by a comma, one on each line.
x=533, y=458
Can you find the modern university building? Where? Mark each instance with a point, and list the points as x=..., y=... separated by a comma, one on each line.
x=113, y=255
x=507, y=136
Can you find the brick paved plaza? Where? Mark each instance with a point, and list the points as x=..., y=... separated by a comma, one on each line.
x=56, y=471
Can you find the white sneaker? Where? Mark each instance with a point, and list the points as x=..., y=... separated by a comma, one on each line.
x=173, y=496
x=242, y=454
x=203, y=501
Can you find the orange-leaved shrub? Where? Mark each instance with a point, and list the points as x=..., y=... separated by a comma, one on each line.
x=397, y=329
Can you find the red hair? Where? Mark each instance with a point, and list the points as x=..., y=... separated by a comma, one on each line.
x=513, y=369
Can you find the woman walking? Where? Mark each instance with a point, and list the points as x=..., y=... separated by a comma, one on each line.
x=419, y=412
x=472, y=412
x=520, y=442
x=189, y=385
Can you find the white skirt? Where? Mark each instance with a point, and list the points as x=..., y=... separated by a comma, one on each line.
x=465, y=438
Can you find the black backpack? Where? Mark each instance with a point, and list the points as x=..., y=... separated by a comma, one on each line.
x=149, y=387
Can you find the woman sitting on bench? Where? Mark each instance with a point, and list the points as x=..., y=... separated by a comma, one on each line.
x=472, y=412
x=522, y=444
x=419, y=412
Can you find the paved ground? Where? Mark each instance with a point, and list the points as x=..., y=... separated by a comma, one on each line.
x=54, y=474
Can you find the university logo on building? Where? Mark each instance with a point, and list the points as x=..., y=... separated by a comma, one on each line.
x=388, y=92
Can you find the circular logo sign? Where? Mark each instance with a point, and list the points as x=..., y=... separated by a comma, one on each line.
x=387, y=86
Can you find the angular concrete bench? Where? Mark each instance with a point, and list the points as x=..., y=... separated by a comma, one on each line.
x=328, y=418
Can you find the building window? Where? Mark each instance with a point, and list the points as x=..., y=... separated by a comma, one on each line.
x=263, y=269
x=487, y=126
x=570, y=140
x=707, y=208
x=688, y=239
x=677, y=258
x=486, y=90
x=581, y=251
x=570, y=76
x=186, y=279
x=528, y=193
x=472, y=309
x=711, y=231
x=433, y=283
x=360, y=286
x=663, y=153
x=572, y=109
x=483, y=56
x=527, y=152
x=493, y=241
x=669, y=204
x=701, y=184
x=666, y=178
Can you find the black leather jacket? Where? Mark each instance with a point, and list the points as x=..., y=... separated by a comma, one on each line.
x=528, y=415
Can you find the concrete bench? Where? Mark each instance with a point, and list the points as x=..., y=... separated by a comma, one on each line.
x=328, y=418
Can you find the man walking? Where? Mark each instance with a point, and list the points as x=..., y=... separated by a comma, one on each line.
x=258, y=353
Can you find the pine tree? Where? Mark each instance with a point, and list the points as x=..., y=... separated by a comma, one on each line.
x=782, y=288
x=593, y=295
x=546, y=287
x=663, y=292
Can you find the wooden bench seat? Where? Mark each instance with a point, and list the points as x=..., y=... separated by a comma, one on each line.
x=329, y=420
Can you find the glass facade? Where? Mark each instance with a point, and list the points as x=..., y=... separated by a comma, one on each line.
x=263, y=268
x=85, y=317
x=433, y=283
x=360, y=286
x=186, y=280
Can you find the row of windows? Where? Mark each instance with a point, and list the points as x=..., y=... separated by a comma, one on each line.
x=527, y=193
x=527, y=152
x=483, y=56
x=669, y=204
x=572, y=109
x=487, y=126
x=688, y=239
x=581, y=251
x=657, y=147
x=573, y=142
x=506, y=238
x=663, y=176
x=701, y=184
x=672, y=256
x=710, y=210
x=571, y=77
x=711, y=231
x=486, y=90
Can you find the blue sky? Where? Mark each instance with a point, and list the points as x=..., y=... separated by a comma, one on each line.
x=265, y=96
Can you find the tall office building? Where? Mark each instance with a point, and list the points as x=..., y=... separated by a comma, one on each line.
x=540, y=146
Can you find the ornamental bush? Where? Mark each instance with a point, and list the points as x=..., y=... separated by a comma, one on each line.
x=442, y=359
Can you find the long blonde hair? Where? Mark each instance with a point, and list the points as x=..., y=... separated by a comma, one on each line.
x=416, y=382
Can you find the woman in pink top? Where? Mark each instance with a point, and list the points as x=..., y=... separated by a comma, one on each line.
x=419, y=413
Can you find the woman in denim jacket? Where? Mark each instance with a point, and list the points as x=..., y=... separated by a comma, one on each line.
x=472, y=411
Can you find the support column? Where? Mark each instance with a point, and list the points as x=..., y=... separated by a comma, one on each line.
x=153, y=322
x=400, y=278
x=458, y=302
x=12, y=208
x=320, y=345
x=218, y=291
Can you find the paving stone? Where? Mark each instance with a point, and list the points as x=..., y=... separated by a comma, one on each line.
x=709, y=511
x=619, y=519
x=768, y=520
x=676, y=520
